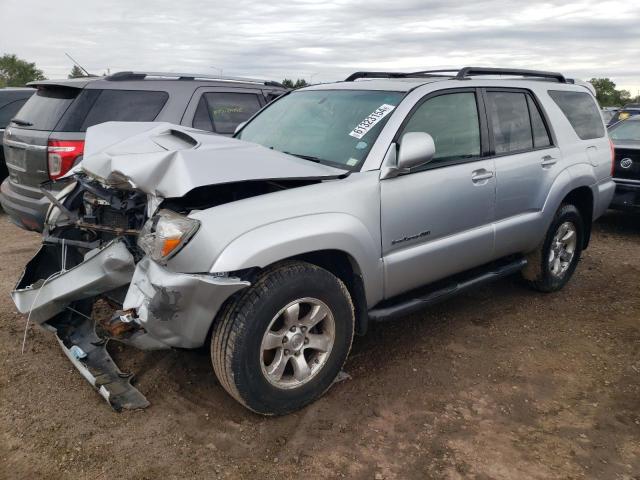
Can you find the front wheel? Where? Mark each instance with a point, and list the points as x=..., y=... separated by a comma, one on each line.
x=280, y=344
x=552, y=264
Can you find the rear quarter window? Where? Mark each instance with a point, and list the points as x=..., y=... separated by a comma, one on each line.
x=581, y=111
x=125, y=106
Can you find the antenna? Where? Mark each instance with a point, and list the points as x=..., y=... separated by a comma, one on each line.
x=78, y=65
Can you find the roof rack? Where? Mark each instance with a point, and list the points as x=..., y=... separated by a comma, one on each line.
x=467, y=72
x=462, y=74
x=130, y=75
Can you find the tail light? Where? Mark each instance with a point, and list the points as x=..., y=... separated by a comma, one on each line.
x=62, y=154
x=613, y=156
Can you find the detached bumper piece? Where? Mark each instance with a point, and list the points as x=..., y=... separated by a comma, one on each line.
x=42, y=294
x=88, y=353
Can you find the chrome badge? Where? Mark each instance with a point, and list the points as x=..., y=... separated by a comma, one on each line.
x=626, y=163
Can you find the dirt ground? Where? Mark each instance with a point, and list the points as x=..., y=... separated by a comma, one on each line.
x=503, y=383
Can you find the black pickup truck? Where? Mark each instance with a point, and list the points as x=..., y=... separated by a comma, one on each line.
x=626, y=140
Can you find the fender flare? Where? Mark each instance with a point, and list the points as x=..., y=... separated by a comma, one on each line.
x=291, y=237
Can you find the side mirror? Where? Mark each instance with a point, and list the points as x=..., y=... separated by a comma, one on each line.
x=416, y=148
x=239, y=127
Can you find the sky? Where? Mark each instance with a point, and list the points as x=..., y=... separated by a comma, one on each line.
x=325, y=40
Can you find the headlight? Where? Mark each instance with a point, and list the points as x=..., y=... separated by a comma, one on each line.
x=165, y=234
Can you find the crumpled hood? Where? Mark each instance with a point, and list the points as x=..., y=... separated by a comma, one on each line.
x=167, y=160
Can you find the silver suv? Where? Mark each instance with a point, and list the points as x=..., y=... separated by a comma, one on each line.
x=336, y=205
x=45, y=138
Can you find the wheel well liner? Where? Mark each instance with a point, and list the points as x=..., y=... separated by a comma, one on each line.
x=343, y=266
x=582, y=199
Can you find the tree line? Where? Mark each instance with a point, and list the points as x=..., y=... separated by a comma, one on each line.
x=15, y=72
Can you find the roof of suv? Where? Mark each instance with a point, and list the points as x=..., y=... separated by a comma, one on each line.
x=130, y=76
x=403, y=82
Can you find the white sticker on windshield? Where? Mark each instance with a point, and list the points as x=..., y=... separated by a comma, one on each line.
x=368, y=123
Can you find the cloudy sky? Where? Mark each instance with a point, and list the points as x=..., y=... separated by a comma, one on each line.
x=324, y=40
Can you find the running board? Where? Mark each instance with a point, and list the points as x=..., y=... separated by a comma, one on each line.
x=88, y=353
x=391, y=309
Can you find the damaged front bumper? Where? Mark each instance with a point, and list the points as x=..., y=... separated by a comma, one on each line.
x=177, y=309
x=163, y=309
x=42, y=297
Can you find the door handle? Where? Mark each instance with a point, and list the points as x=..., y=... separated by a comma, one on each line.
x=548, y=160
x=478, y=176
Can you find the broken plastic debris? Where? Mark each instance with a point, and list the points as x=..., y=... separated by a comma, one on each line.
x=77, y=352
x=342, y=376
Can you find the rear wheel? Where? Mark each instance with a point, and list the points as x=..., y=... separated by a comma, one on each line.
x=552, y=264
x=280, y=344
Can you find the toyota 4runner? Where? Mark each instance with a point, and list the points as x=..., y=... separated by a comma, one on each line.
x=335, y=206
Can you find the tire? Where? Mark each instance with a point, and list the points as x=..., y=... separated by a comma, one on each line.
x=542, y=272
x=255, y=335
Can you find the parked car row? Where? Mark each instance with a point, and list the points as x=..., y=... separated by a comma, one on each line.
x=335, y=206
x=46, y=138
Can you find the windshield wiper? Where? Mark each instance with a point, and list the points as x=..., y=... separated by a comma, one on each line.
x=22, y=123
x=305, y=157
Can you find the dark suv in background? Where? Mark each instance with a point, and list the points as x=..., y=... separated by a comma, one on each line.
x=11, y=100
x=46, y=137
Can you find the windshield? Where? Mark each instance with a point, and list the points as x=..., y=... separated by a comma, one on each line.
x=629, y=130
x=336, y=127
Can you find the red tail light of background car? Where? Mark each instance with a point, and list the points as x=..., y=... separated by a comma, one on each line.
x=61, y=155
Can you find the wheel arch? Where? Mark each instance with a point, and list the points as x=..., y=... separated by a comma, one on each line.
x=582, y=199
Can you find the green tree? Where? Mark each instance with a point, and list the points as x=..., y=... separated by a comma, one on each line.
x=15, y=72
x=76, y=72
x=608, y=95
x=299, y=83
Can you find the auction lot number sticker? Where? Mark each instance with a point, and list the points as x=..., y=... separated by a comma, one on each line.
x=370, y=121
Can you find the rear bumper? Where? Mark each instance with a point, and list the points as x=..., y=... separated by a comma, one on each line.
x=26, y=212
x=627, y=195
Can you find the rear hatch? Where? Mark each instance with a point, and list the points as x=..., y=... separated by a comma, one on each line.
x=26, y=141
x=627, y=162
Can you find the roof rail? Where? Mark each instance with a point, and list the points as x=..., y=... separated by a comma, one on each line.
x=462, y=74
x=131, y=75
x=467, y=72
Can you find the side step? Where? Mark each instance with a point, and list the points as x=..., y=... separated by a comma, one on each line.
x=88, y=353
x=406, y=304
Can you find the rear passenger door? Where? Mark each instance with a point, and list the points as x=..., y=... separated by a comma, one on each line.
x=526, y=162
x=221, y=110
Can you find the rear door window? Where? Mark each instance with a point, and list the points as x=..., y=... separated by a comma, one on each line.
x=44, y=109
x=510, y=121
x=125, y=106
x=581, y=111
x=222, y=112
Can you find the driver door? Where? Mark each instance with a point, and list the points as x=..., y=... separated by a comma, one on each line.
x=437, y=219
